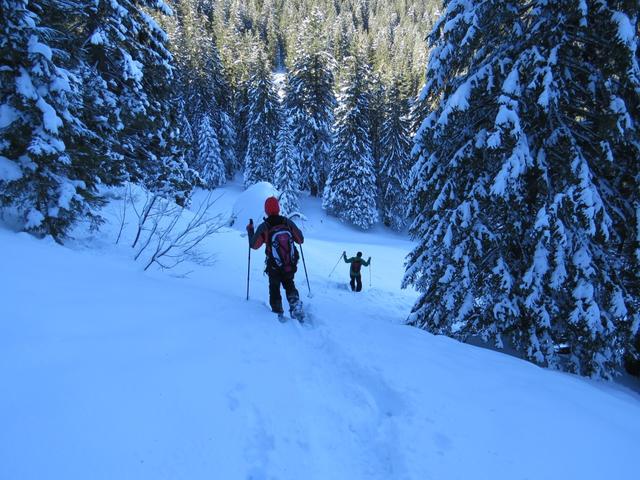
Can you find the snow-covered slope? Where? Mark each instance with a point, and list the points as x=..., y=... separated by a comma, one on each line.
x=108, y=372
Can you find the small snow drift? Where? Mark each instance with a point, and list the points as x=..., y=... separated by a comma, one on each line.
x=250, y=203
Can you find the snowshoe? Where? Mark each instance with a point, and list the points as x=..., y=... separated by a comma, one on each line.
x=281, y=317
x=297, y=312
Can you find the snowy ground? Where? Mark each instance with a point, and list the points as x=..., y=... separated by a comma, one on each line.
x=108, y=372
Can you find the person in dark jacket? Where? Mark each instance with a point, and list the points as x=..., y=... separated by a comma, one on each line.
x=279, y=235
x=354, y=271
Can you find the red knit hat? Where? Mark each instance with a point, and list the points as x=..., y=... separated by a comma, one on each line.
x=271, y=206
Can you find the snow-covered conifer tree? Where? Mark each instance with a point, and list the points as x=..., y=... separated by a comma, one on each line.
x=185, y=130
x=377, y=114
x=129, y=50
x=227, y=136
x=343, y=33
x=210, y=164
x=240, y=103
x=287, y=174
x=43, y=174
x=518, y=196
x=394, y=162
x=311, y=103
x=350, y=191
x=202, y=78
x=240, y=118
x=166, y=171
x=262, y=125
x=216, y=97
x=418, y=111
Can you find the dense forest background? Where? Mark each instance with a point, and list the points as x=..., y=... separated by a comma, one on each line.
x=392, y=33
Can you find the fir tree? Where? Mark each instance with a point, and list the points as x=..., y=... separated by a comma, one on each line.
x=166, y=171
x=99, y=112
x=376, y=120
x=185, y=130
x=394, y=162
x=210, y=164
x=46, y=175
x=343, y=37
x=227, y=135
x=240, y=121
x=202, y=77
x=311, y=104
x=350, y=192
x=518, y=194
x=262, y=125
x=129, y=50
x=217, y=89
x=287, y=175
x=418, y=111
x=233, y=48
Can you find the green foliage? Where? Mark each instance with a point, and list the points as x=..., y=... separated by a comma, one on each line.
x=393, y=31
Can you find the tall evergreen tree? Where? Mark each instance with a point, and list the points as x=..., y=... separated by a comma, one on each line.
x=202, y=78
x=210, y=164
x=185, y=130
x=98, y=111
x=376, y=121
x=262, y=125
x=311, y=103
x=227, y=135
x=395, y=154
x=166, y=171
x=287, y=174
x=129, y=50
x=350, y=192
x=343, y=37
x=46, y=153
x=418, y=111
x=220, y=106
x=233, y=48
x=240, y=120
x=524, y=223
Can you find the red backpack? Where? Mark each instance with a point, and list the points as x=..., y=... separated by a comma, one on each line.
x=283, y=250
x=356, y=265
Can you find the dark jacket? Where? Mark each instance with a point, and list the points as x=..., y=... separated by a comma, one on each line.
x=261, y=235
x=356, y=263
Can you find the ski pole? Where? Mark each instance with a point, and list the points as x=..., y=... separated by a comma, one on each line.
x=369, y=273
x=248, y=271
x=334, y=268
x=249, y=260
x=305, y=269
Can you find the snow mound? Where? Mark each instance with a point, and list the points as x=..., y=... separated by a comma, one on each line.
x=250, y=203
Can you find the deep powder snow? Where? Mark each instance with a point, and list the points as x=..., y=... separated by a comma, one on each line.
x=111, y=373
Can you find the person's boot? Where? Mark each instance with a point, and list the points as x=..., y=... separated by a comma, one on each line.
x=297, y=311
x=278, y=310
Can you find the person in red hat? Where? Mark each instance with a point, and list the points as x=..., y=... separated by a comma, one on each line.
x=279, y=235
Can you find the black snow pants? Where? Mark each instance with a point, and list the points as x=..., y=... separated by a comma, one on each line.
x=356, y=283
x=277, y=278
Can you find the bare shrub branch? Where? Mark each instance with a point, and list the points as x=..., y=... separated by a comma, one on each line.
x=168, y=235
